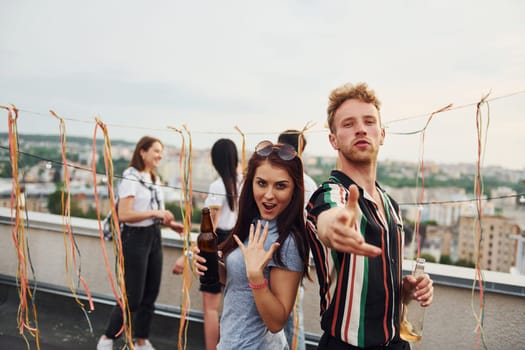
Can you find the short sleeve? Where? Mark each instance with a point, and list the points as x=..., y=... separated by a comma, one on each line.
x=216, y=195
x=290, y=256
x=128, y=186
x=327, y=196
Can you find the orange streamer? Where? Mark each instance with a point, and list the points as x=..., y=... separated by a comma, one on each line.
x=121, y=297
x=243, y=149
x=421, y=171
x=300, y=145
x=185, y=164
x=478, y=188
x=66, y=223
x=24, y=321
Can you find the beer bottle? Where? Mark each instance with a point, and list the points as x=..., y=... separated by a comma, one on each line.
x=413, y=313
x=207, y=243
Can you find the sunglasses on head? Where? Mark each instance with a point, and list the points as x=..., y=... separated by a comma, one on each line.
x=284, y=151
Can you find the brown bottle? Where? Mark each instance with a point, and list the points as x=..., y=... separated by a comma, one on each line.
x=207, y=243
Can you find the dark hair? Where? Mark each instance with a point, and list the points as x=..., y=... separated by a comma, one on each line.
x=289, y=222
x=137, y=162
x=225, y=160
x=291, y=137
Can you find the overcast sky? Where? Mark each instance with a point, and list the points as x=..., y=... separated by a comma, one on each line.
x=268, y=66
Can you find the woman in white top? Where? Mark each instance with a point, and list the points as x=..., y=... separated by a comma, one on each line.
x=223, y=192
x=223, y=203
x=141, y=209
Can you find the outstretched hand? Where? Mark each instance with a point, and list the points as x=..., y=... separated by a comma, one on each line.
x=343, y=233
x=255, y=257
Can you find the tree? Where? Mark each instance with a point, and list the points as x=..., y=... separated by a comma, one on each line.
x=465, y=263
x=446, y=260
x=54, y=204
x=428, y=257
x=91, y=213
x=174, y=207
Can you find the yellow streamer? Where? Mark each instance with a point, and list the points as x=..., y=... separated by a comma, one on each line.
x=19, y=239
x=185, y=163
x=243, y=149
x=421, y=171
x=478, y=236
x=300, y=146
x=121, y=297
x=66, y=224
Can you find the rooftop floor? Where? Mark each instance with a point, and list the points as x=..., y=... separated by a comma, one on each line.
x=63, y=325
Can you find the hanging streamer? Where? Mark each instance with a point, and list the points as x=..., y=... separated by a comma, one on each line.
x=421, y=172
x=67, y=231
x=27, y=305
x=121, y=297
x=478, y=236
x=243, y=149
x=300, y=145
x=186, y=166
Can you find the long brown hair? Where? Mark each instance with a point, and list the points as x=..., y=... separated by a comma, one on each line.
x=289, y=222
x=144, y=144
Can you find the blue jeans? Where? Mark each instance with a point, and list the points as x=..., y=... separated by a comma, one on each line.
x=290, y=326
x=142, y=250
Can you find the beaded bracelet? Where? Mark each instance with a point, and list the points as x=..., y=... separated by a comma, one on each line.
x=258, y=286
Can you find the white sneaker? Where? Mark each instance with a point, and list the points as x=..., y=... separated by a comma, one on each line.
x=147, y=346
x=105, y=343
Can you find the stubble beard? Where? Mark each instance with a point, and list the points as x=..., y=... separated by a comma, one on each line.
x=361, y=158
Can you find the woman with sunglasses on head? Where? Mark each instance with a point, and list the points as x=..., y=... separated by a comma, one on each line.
x=266, y=255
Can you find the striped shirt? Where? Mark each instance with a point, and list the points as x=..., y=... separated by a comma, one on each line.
x=360, y=296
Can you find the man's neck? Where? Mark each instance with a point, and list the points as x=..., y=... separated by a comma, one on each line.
x=363, y=175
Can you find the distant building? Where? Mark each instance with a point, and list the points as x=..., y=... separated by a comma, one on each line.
x=438, y=241
x=496, y=246
x=450, y=203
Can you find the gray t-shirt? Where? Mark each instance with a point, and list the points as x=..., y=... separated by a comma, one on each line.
x=241, y=326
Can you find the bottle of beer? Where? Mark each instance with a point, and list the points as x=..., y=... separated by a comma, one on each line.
x=207, y=243
x=413, y=313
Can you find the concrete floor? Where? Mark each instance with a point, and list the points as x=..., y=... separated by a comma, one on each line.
x=62, y=325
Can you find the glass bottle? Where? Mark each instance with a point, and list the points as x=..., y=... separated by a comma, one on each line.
x=207, y=243
x=413, y=313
